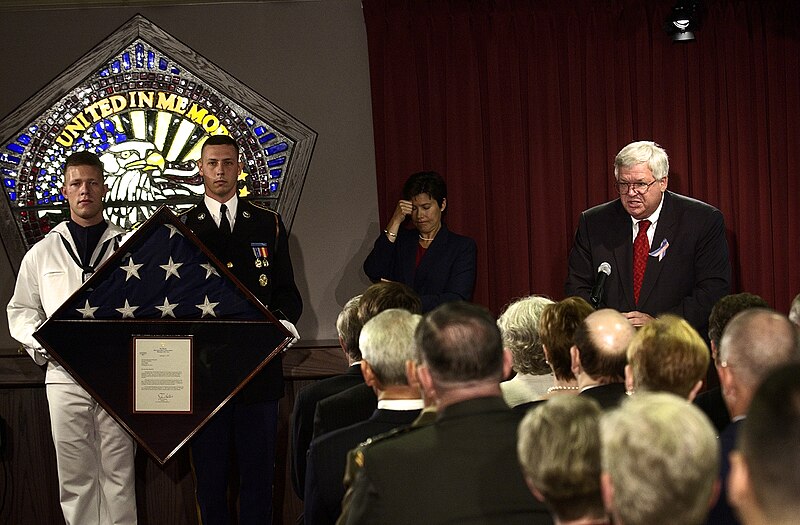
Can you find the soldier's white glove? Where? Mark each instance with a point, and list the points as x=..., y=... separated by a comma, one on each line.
x=295, y=336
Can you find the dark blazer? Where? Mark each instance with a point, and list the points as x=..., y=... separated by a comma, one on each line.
x=609, y=395
x=273, y=284
x=327, y=458
x=305, y=405
x=461, y=469
x=693, y=274
x=713, y=405
x=344, y=409
x=722, y=513
x=445, y=273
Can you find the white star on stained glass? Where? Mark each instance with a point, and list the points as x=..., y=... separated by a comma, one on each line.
x=173, y=230
x=127, y=310
x=131, y=270
x=210, y=270
x=171, y=268
x=167, y=309
x=88, y=311
x=207, y=307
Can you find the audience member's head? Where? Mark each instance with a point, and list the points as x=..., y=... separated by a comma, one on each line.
x=754, y=342
x=348, y=326
x=519, y=326
x=559, y=451
x=764, y=482
x=557, y=326
x=667, y=355
x=794, y=310
x=387, y=294
x=660, y=461
x=387, y=342
x=724, y=310
x=460, y=348
x=598, y=352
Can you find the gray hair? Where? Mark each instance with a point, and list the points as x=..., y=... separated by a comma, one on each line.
x=662, y=455
x=387, y=342
x=643, y=152
x=519, y=326
x=348, y=326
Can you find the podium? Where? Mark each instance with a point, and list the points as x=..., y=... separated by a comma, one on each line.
x=162, y=335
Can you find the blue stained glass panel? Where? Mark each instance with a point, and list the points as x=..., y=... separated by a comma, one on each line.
x=277, y=148
x=275, y=173
x=151, y=59
x=162, y=64
x=266, y=138
x=273, y=186
x=4, y=157
x=139, y=55
x=276, y=162
x=16, y=148
x=260, y=130
x=12, y=195
x=24, y=139
x=126, y=60
x=249, y=121
x=115, y=67
x=9, y=183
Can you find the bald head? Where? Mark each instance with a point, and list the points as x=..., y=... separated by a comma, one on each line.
x=753, y=343
x=602, y=340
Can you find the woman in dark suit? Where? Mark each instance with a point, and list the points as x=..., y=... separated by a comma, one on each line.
x=437, y=263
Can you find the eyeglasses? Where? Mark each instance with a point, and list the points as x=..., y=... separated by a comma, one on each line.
x=639, y=188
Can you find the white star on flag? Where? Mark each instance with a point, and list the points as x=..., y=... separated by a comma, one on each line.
x=167, y=309
x=171, y=268
x=210, y=270
x=88, y=311
x=207, y=307
x=131, y=269
x=127, y=310
x=173, y=230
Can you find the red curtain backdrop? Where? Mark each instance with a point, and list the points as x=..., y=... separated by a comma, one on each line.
x=522, y=106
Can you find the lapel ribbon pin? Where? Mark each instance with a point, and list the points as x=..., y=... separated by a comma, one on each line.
x=661, y=251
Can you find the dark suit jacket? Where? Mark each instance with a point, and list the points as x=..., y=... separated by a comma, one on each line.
x=278, y=292
x=462, y=469
x=327, y=458
x=609, y=396
x=722, y=513
x=305, y=405
x=693, y=274
x=713, y=405
x=445, y=273
x=344, y=409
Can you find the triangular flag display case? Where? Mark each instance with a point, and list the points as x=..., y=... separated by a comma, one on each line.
x=163, y=335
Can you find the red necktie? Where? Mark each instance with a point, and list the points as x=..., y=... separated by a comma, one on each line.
x=640, y=248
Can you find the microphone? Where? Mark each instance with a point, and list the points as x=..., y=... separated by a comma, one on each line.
x=603, y=271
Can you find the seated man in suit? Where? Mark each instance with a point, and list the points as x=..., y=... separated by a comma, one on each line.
x=387, y=342
x=348, y=327
x=667, y=252
x=660, y=458
x=754, y=342
x=667, y=355
x=463, y=468
x=711, y=401
x=763, y=484
x=598, y=356
x=358, y=403
x=559, y=451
